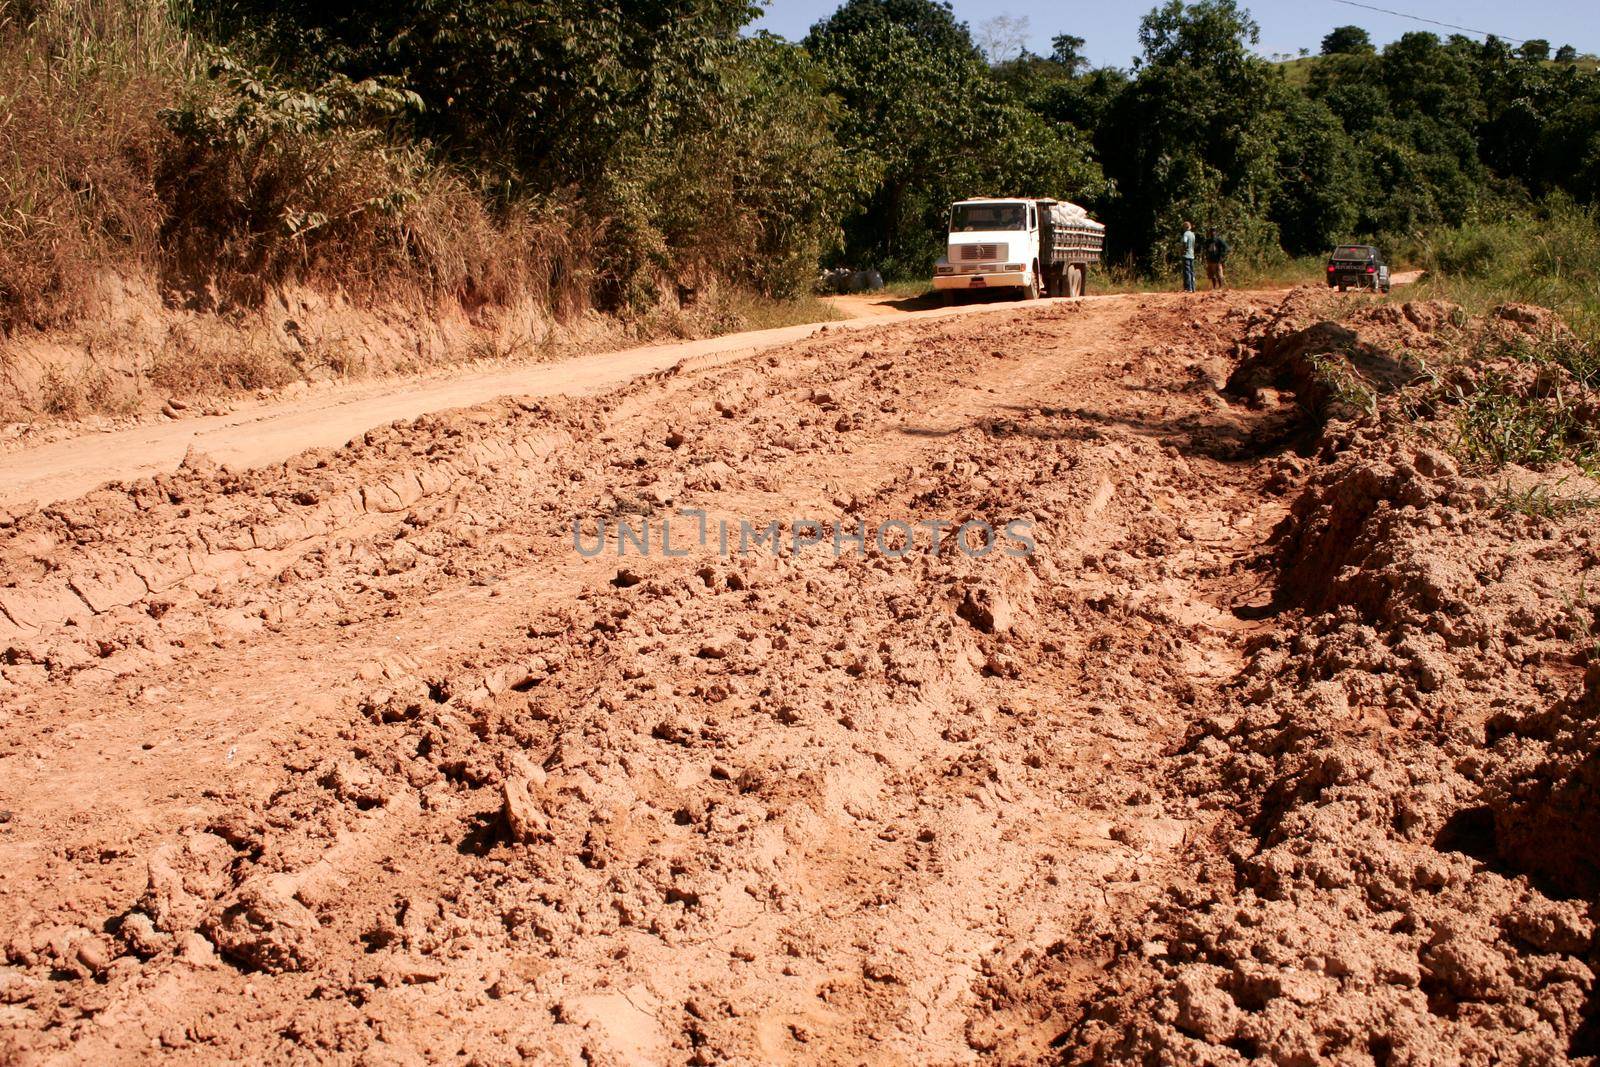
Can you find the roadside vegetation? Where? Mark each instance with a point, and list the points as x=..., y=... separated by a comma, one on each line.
x=1534, y=399
x=1512, y=379
x=645, y=160
x=1547, y=255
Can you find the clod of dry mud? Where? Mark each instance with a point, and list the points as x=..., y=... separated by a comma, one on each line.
x=1412, y=758
x=1278, y=744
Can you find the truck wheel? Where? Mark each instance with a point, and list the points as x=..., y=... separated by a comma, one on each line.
x=1031, y=290
x=1083, y=279
x=1074, y=281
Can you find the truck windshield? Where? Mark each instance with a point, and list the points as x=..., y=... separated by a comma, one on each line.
x=964, y=218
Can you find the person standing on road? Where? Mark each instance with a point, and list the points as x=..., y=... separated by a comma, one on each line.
x=1216, y=250
x=1188, y=257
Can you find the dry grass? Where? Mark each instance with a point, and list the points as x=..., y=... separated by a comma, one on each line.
x=747, y=310
x=117, y=149
x=80, y=85
x=66, y=395
x=193, y=362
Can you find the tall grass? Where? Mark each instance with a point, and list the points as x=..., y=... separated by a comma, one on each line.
x=80, y=86
x=1549, y=257
x=126, y=145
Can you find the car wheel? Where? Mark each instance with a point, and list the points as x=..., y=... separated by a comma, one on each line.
x=1341, y=288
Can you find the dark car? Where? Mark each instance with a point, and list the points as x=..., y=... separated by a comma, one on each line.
x=1358, y=267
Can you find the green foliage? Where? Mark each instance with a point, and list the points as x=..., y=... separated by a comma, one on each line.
x=931, y=23
x=1318, y=170
x=1548, y=256
x=686, y=150
x=1543, y=500
x=1536, y=50
x=754, y=188
x=615, y=152
x=1194, y=136
x=1499, y=422
x=1345, y=386
x=930, y=123
x=1346, y=39
x=538, y=92
x=1066, y=51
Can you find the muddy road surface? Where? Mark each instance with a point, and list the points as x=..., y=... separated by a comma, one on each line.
x=249, y=432
x=513, y=733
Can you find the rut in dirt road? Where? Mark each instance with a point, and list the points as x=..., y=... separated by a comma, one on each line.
x=421, y=777
x=241, y=432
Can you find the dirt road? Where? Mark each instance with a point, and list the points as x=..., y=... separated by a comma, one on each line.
x=369, y=754
x=254, y=433
x=257, y=432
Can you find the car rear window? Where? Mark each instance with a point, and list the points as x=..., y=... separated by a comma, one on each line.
x=1351, y=252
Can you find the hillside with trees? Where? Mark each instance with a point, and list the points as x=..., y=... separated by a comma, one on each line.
x=607, y=155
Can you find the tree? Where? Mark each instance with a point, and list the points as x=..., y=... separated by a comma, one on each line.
x=755, y=190
x=1067, y=50
x=676, y=146
x=1051, y=89
x=547, y=92
x=1566, y=54
x=1208, y=151
x=1002, y=38
x=930, y=22
x=1346, y=40
x=1535, y=51
x=1313, y=205
x=924, y=150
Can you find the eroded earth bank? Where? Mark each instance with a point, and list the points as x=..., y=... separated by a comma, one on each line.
x=1281, y=743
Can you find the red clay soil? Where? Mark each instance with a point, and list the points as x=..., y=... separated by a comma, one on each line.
x=1278, y=744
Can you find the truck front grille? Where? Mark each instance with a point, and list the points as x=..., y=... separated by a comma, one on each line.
x=976, y=253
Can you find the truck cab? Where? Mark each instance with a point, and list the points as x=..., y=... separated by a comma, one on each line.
x=1026, y=245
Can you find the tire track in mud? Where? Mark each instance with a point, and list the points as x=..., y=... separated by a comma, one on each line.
x=781, y=807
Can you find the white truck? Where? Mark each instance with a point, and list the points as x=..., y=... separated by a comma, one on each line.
x=1038, y=247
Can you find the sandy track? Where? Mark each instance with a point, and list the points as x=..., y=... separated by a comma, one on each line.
x=357, y=757
x=255, y=433
x=420, y=762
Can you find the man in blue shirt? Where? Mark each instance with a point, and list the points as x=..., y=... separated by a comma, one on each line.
x=1188, y=257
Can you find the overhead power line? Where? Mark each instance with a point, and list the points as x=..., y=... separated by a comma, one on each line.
x=1433, y=22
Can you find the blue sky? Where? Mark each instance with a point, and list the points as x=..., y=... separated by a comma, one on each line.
x=1111, y=29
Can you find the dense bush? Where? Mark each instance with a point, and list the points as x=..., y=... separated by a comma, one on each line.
x=616, y=153
x=263, y=184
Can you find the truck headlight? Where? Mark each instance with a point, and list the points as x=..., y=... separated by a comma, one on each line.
x=944, y=268
x=1015, y=267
